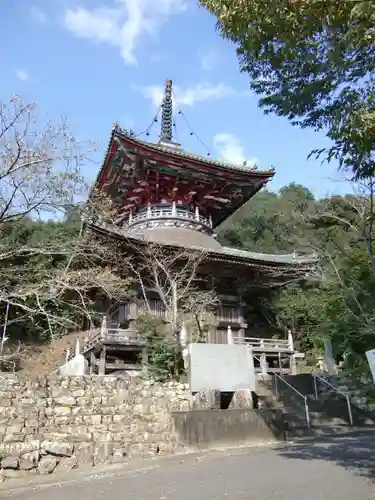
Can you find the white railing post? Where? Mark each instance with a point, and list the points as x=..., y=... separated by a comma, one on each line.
x=103, y=329
x=229, y=335
x=263, y=363
x=349, y=410
x=276, y=388
x=197, y=213
x=307, y=413
x=290, y=340
x=148, y=210
x=210, y=220
x=78, y=348
x=174, y=211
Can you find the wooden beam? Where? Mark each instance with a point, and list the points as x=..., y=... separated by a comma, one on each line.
x=123, y=366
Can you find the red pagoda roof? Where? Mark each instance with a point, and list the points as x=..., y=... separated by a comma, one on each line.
x=137, y=173
x=285, y=266
x=195, y=160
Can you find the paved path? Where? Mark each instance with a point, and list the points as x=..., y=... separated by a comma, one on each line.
x=342, y=468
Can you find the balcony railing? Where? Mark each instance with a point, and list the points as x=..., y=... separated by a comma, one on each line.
x=121, y=336
x=165, y=213
x=266, y=345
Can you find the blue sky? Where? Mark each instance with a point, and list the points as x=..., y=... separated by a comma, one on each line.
x=100, y=61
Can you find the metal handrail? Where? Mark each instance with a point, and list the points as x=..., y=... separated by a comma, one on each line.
x=339, y=391
x=305, y=399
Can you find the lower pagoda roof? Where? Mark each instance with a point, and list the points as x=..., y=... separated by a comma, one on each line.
x=300, y=264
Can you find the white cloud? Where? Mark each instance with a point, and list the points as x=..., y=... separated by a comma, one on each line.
x=231, y=150
x=191, y=95
x=22, y=75
x=209, y=60
x=38, y=15
x=123, y=24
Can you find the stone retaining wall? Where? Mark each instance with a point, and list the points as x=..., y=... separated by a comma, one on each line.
x=57, y=423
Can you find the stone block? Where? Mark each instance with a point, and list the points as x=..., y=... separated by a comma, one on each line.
x=47, y=465
x=59, y=449
x=26, y=464
x=84, y=452
x=207, y=400
x=78, y=393
x=29, y=460
x=66, y=400
x=92, y=419
x=103, y=452
x=10, y=463
x=119, y=455
x=13, y=437
x=62, y=410
x=67, y=464
x=107, y=410
x=242, y=399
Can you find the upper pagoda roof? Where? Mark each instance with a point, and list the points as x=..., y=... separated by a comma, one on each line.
x=193, y=158
x=169, y=157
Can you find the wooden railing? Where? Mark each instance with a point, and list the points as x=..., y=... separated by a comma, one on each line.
x=121, y=336
x=263, y=345
x=156, y=306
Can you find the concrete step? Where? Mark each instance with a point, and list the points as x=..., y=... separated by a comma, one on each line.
x=332, y=432
x=329, y=431
x=330, y=408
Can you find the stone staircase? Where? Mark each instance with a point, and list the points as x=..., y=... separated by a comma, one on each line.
x=308, y=415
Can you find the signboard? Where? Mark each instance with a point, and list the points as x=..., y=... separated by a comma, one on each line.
x=371, y=361
x=224, y=367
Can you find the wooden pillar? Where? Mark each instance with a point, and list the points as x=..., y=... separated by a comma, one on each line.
x=102, y=360
x=132, y=315
x=241, y=336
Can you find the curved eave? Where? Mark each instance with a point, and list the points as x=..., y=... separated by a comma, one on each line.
x=195, y=160
x=285, y=263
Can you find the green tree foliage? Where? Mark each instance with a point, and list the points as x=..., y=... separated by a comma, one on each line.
x=272, y=222
x=51, y=272
x=312, y=61
x=338, y=304
x=163, y=349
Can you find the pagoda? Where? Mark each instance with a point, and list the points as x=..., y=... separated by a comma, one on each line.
x=173, y=198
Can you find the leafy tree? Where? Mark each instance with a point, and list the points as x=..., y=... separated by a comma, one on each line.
x=51, y=277
x=272, y=222
x=338, y=304
x=163, y=350
x=312, y=61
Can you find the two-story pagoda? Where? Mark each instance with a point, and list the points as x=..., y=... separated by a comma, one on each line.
x=174, y=198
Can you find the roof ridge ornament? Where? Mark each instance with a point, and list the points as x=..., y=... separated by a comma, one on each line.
x=166, y=134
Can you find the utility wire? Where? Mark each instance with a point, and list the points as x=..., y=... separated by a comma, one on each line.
x=191, y=131
x=154, y=120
